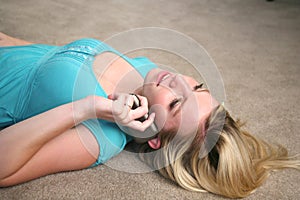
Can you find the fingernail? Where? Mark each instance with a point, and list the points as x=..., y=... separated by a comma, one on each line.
x=110, y=96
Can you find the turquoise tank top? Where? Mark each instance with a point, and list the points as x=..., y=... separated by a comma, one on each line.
x=36, y=78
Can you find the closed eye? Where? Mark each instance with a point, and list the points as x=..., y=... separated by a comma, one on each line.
x=199, y=88
x=173, y=103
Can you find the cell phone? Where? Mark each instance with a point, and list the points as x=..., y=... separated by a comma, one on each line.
x=137, y=103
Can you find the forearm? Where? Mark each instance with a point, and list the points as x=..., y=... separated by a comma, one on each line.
x=6, y=40
x=18, y=143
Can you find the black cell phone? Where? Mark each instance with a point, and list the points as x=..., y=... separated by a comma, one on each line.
x=136, y=104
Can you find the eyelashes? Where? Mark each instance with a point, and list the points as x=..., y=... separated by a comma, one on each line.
x=198, y=86
x=173, y=103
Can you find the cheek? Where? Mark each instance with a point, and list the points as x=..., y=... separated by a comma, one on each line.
x=207, y=103
x=160, y=99
x=157, y=95
x=172, y=123
x=190, y=81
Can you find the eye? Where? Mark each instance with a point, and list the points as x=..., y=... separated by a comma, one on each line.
x=198, y=86
x=174, y=102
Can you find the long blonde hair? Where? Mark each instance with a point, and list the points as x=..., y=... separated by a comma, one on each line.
x=236, y=165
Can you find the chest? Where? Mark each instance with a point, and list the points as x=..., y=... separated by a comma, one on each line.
x=115, y=74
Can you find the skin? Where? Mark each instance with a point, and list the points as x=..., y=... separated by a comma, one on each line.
x=36, y=148
x=6, y=40
x=192, y=107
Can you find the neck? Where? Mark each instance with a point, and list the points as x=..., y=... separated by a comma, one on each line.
x=139, y=91
x=117, y=76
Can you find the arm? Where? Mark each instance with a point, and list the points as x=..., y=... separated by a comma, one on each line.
x=48, y=143
x=6, y=40
x=23, y=140
x=65, y=152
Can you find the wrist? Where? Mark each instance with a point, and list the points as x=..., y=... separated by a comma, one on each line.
x=82, y=110
x=103, y=108
x=93, y=107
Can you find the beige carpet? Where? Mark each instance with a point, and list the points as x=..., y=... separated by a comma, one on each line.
x=254, y=43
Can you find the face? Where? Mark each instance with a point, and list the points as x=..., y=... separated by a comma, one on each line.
x=177, y=100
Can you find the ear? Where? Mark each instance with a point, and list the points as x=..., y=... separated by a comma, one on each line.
x=154, y=143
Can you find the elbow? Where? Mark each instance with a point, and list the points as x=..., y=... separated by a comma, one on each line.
x=6, y=183
x=3, y=184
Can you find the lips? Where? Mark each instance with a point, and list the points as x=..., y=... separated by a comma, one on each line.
x=162, y=76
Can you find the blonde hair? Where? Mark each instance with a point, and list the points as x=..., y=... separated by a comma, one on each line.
x=236, y=165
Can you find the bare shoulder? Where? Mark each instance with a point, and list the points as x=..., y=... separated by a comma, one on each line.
x=6, y=40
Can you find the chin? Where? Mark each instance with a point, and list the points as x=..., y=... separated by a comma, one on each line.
x=148, y=90
x=151, y=76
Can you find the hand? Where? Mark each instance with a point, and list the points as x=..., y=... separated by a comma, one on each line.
x=125, y=116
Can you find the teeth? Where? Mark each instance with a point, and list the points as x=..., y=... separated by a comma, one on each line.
x=165, y=77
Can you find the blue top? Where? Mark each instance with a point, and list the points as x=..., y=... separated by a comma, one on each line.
x=36, y=78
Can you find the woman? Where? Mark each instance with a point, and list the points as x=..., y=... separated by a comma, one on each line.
x=56, y=116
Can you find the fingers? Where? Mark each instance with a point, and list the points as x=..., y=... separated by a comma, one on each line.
x=125, y=116
x=142, y=126
x=140, y=111
x=144, y=102
x=121, y=108
x=122, y=100
x=148, y=122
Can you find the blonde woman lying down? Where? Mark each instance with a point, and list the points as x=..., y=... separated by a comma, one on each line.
x=47, y=129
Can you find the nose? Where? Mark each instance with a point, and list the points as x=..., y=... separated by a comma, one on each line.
x=177, y=81
x=173, y=83
x=179, y=85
